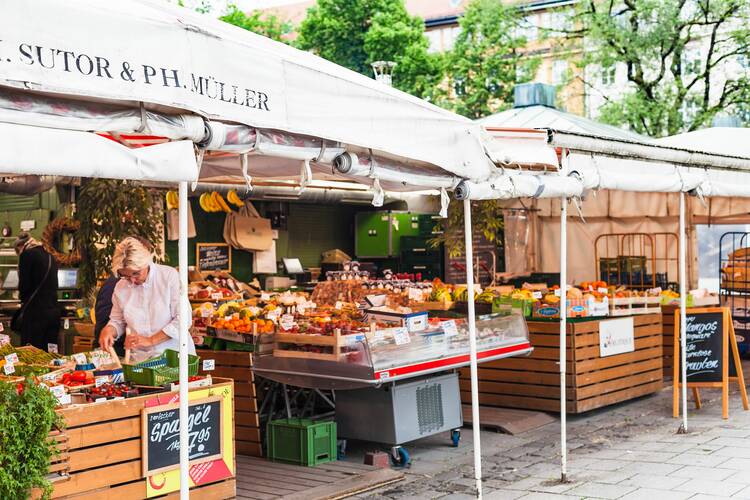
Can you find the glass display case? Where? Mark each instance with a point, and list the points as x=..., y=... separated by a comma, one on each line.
x=340, y=361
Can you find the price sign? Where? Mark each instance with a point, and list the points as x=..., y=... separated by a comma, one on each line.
x=401, y=336
x=415, y=294
x=8, y=368
x=449, y=328
x=216, y=296
x=264, y=297
x=11, y=358
x=352, y=340
x=273, y=314
x=48, y=377
x=205, y=313
x=287, y=321
x=558, y=292
x=339, y=305
x=209, y=365
x=66, y=324
x=100, y=400
x=602, y=290
x=100, y=381
x=52, y=348
x=64, y=399
x=536, y=295
x=58, y=391
x=80, y=358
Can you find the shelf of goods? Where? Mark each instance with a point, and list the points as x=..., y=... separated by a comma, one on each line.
x=593, y=381
x=101, y=445
x=237, y=365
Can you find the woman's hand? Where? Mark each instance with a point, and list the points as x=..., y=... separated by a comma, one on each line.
x=107, y=338
x=135, y=341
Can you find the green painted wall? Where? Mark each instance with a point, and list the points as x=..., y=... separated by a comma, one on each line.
x=311, y=230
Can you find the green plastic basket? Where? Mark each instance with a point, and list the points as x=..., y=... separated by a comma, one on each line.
x=301, y=441
x=160, y=370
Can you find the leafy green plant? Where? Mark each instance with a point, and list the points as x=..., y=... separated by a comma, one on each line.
x=26, y=420
x=110, y=210
x=258, y=22
x=486, y=219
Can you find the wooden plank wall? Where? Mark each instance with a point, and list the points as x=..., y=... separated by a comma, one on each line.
x=667, y=318
x=237, y=366
x=104, y=454
x=533, y=382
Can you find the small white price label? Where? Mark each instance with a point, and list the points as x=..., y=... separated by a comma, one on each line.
x=273, y=314
x=449, y=328
x=100, y=381
x=287, y=322
x=9, y=368
x=557, y=292
x=216, y=296
x=339, y=305
x=536, y=295
x=11, y=358
x=205, y=313
x=66, y=324
x=52, y=348
x=100, y=400
x=401, y=336
x=352, y=340
x=415, y=294
x=58, y=391
x=80, y=358
x=49, y=377
x=65, y=399
x=209, y=365
x=117, y=398
x=602, y=290
x=4, y=339
x=264, y=297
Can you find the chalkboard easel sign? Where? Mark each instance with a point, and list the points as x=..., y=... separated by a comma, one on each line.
x=213, y=257
x=709, y=338
x=160, y=440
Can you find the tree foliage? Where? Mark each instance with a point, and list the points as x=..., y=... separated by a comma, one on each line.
x=682, y=59
x=267, y=25
x=356, y=33
x=487, y=220
x=487, y=60
x=110, y=210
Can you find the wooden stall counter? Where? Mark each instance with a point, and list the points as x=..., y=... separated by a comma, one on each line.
x=593, y=380
x=104, y=453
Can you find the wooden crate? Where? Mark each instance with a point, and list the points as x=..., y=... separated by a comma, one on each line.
x=533, y=382
x=629, y=306
x=667, y=321
x=103, y=457
x=237, y=365
x=335, y=342
x=83, y=344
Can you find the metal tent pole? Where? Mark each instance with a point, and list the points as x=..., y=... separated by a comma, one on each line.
x=184, y=327
x=473, y=348
x=683, y=310
x=563, y=330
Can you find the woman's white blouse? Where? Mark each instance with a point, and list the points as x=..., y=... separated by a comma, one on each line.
x=150, y=308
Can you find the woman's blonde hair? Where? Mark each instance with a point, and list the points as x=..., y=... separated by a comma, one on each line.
x=131, y=253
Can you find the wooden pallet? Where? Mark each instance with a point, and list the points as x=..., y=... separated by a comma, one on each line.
x=237, y=365
x=533, y=382
x=259, y=479
x=103, y=454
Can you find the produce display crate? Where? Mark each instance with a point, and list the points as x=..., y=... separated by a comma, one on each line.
x=667, y=321
x=284, y=345
x=102, y=453
x=237, y=365
x=302, y=441
x=433, y=305
x=161, y=370
x=83, y=344
x=533, y=382
x=628, y=306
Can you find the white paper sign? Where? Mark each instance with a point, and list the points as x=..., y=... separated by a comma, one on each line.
x=415, y=293
x=64, y=399
x=536, y=295
x=4, y=339
x=273, y=314
x=66, y=324
x=11, y=358
x=58, y=391
x=52, y=348
x=2, y=329
x=602, y=290
x=264, y=297
x=616, y=336
x=558, y=292
x=287, y=321
x=449, y=328
x=8, y=368
x=339, y=305
x=216, y=296
x=100, y=381
x=209, y=365
x=80, y=358
x=49, y=377
x=401, y=336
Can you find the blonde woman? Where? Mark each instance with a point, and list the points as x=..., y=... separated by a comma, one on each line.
x=145, y=301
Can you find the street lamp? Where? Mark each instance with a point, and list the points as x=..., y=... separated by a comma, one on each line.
x=384, y=71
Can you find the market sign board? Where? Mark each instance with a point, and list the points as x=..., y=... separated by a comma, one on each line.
x=213, y=257
x=616, y=336
x=203, y=468
x=161, y=434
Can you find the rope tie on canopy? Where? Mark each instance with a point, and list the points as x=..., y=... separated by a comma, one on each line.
x=244, y=161
x=444, y=202
x=305, y=175
x=143, y=128
x=199, y=153
x=379, y=196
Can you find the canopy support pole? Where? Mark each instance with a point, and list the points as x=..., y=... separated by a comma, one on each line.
x=184, y=327
x=563, y=330
x=563, y=324
x=683, y=311
x=473, y=348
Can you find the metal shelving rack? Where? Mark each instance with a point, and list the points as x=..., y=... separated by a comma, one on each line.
x=734, y=283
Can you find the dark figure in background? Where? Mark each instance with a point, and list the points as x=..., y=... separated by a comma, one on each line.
x=104, y=304
x=38, y=320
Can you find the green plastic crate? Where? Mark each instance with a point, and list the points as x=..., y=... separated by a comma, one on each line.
x=161, y=370
x=301, y=441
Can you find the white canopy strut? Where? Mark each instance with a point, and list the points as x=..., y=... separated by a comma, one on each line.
x=563, y=325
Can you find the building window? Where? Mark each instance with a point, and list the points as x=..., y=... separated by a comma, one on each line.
x=559, y=72
x=528, y=28
x=608, y=76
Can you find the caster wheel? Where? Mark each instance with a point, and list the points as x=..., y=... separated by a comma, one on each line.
x=455, y=437
x=341, y=449
x=400, y=457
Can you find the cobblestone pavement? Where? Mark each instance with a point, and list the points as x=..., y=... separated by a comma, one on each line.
x=629, y=451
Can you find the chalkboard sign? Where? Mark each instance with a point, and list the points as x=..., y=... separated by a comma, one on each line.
x=214, y=257
x=160, y=439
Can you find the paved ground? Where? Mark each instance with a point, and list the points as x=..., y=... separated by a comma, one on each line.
x=629, y=451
